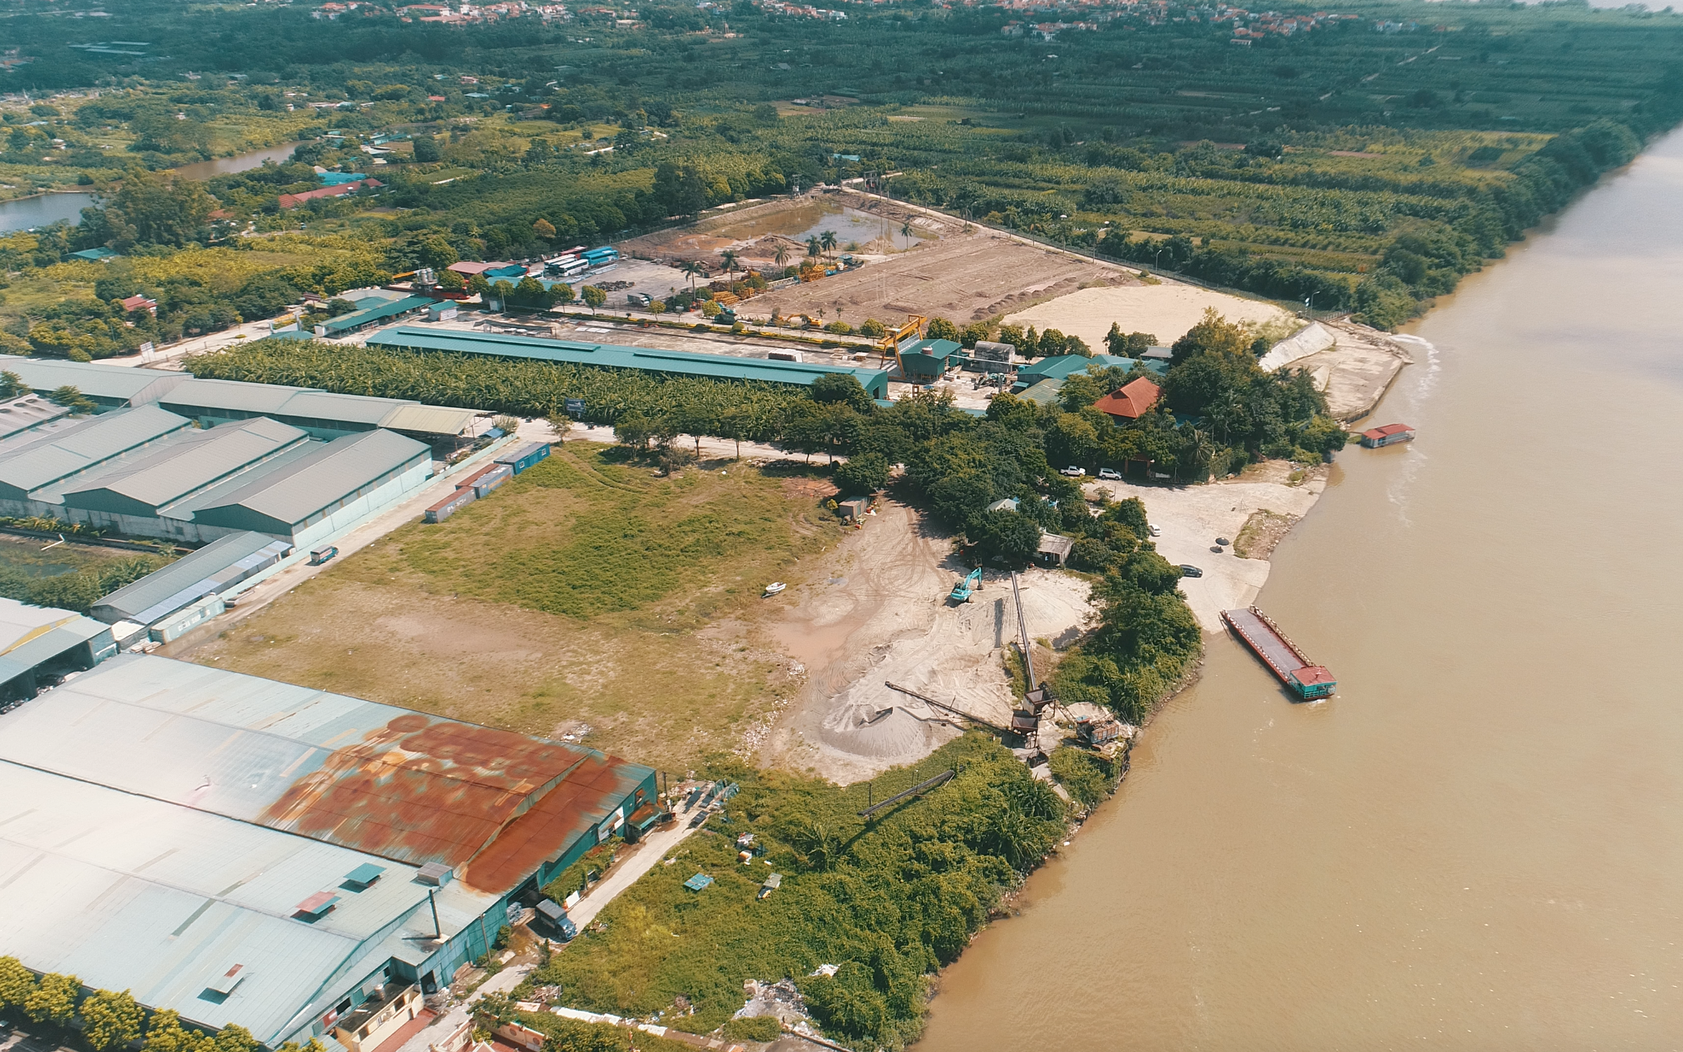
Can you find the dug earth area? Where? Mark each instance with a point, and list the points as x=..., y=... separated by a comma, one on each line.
x=881, y=614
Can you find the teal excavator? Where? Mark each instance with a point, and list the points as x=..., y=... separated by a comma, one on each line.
x=963, y=590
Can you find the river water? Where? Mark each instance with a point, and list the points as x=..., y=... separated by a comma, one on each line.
x=1478, y=844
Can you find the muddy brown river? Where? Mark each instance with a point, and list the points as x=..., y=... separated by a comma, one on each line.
x=1478, y=844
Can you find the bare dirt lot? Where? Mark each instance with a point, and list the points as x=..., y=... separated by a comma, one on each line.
x=881, y=614
x=956, y=270
x=1165, y=310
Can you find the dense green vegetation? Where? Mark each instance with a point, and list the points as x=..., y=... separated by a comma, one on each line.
x=66, y=577
x=1364, y=170
x=888, y=899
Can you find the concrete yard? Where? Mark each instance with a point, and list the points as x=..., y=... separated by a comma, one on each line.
x=1193, y=517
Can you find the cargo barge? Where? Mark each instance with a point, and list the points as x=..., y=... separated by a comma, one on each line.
x=1300, y=675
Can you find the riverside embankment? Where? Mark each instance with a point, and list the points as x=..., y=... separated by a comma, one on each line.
x=1479, y=843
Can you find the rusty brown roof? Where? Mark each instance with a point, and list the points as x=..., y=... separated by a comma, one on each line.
x=402, y=785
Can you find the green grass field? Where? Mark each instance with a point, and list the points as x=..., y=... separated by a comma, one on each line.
x=587, y=591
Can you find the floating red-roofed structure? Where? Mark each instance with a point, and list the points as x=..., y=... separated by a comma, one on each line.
x=1389, y=435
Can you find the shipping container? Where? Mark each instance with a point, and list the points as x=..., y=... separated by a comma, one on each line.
x=492, y=479
x=449, y=505
x=524, y=457
x=179, y=624
x=468, y=480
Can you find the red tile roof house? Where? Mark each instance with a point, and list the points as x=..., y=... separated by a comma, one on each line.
x=1131, y=401
x=294, y=200
x=139, y=302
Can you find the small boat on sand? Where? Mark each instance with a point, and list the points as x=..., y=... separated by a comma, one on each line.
x=773, y=588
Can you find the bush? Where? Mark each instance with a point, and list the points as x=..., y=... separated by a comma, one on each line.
x=754, y=1028
x=1088, y=777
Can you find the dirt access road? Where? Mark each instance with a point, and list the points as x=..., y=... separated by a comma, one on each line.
x=882, y=614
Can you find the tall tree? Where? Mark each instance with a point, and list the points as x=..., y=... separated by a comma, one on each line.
x=54, y=999
x=111, y=1020
x=16, y=983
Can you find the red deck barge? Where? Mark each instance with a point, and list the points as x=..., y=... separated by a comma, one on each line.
x=1305, y=678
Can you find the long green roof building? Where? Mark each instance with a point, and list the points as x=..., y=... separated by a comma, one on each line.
x=614, y=356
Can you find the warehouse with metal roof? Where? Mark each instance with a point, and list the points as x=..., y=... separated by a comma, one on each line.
x=217, y=566
x=39, y=643
x=321, y=413
x=253, y=852
x=107, y=386
x=206, y=915
x=611, y=356
x=210, y=402
x=148, y=472
x=320, y=492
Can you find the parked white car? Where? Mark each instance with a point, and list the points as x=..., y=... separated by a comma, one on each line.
x=1073, y=472
x=1156, y=530
x=1110, y=473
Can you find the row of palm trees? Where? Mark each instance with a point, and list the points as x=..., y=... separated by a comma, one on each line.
x=818, y=244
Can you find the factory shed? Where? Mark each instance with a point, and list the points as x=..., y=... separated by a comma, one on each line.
x=107, y=386
x=201, y=914
x=1063, y=366
x=27, y=465
x=928, y=359
x=496, y=808
x=220, y=564
x=148, y=481
x=27, y=413
x=347, y=323
x=1054, y=549
x=611, y=356
x=321, y=413
x=1043, y=392
x=321, y=491
x=39, y=642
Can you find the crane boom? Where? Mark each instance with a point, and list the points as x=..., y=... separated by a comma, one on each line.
x=1022, y=634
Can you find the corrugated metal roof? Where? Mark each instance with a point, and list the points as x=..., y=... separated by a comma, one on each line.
x=429, y=419
x=369, y=316
x=21, y=414
x=65, y=452
x=102, y=383
x=399, y=784
x=219, y=563
x=196, y=394
x=611, y=356
x=150, y=479
x=133, y=893
x=291, y=493
x=22, y=624
x=222, y=397
x=357, y=409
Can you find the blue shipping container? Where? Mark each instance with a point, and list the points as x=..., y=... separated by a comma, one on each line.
x=524, y=457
